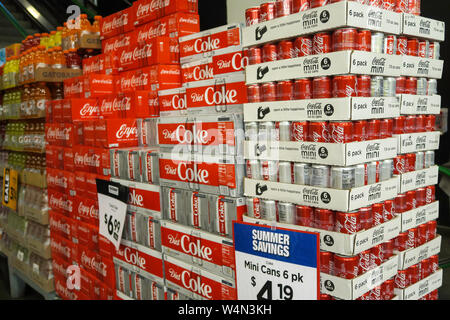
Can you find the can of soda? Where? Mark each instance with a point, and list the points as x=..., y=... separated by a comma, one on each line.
x=389, y=210
x=366, y=217
x=434, y=51
x=322, y=43
x=377, y=44
x=251, y=131
x=386, y=169
x=324, y=219
x=373, y=172
x=430, y=196
x=283, y=8
x=149, y=161
x=269, y=92
x=429, y=159
x=269, y=210
x=252, y=16
x=303, y=46
x=360, y=175
x=422, y=86
x=174, y=205
x=402, y=44
x=364, y=40
x=267, y=131
x=267, y=11
x=376, y=86
x=287, y=213
x=390, y=44
x=387, y=128
x=420, y=161
x=401, y=85
x=411, y=85
x=305, y=216
x=424, y=47
x=348, y=222
x=253, y=208
x=412, y=47
x=360, y=130
x=345, y=39
x=285, y=50
x=269, y=170
x=363, y=85
x=319, y=132
x=285, y=172
x=320, y=176
x=389, y=87
x=254, y=57
x=150, y=230
x=300, y=5
x=400, y=164
x=198, y=211
x=285, y=90
x=322, y=88
x=421, y=123
x=341, y=132
x=302, y=174
x=303, y=89
x=300, y=131
x=432, y=87
x=285, y=129
x=222, y=212
x=342, y=178
x=253, y=170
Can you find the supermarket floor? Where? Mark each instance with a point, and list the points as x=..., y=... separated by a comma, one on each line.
x=444, y=291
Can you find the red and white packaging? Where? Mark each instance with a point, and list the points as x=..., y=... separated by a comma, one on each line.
x=116, y=133
x=159, y=77
x=86, y=210
x=60, y=134
x=213, y=253
x=172, y=102
x=197, y=283
x=73, y=87
x=117, y=43
x=227, y=94
x=62, y=225
x=149, y=10
x=229, y=61
x=136, y=104
x=97, y=85
x=61, y=247
x=60, y=202
x=88, y=235
x=117, y=23
x=101, y=64
x=198, y=70
x=61, y=181
x=194, y=47
x=80, y=109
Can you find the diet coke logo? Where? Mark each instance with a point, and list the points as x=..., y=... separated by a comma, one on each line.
x=191, y=175
x=206, y=45
x=134, y=258
x=195, y=249
x=195, y=285
x=220, y=97
x=136, y=199
x=126, y=132
x=200, y=73
x=178, y=103
x=237, y=62
x=173, y=240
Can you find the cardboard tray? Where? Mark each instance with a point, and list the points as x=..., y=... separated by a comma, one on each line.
x=421, y=288
x=418, y=216
x=421, y=27
x=414, y=256
x=39, y=216
x=415, y=104
x=415, y=142
x=422, y=67
x=419, y=179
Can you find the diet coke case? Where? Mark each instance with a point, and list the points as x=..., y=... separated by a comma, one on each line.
x=150, y=165
x=145, y=289
x=143, y=229
x=229, y=61
x=172, y=102
x=149, y=10
x=223, y=211
x=206, y=250
x=198, y=211
x=198, y=70
x=220, y=95
x=196, y=46
x=175, y=205
x=197, y=283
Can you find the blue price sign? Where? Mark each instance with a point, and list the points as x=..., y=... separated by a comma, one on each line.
x=276, y=264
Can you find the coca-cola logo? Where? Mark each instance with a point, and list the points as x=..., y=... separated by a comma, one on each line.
x=220, y=97
x=195, y=284
x=206, y=45
x=88, y=110
x=134, y=258
x=126, y=132
x=115, y=23
x=136, y=199
x=117, y=44
x=134, y=82
x=195, y=248
x=200, y=73
x=191, y=175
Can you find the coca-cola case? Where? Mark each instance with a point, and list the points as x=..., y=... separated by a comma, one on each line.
x=97, y=85
x=200, y=248
x=80, y=109
x=172, y=102
x=114, y=44
x=223, y=211
x=225, y=94
x=197, y=70
x=117, y=23
x=116, y=133
x=147, y=132
x=149, y=10
x=197, y=283
x=175, y=205
x=176, y=132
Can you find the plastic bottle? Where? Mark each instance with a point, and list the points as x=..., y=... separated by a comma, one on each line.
x=85, y=26
x=42, y=97
x=24, y=102
x=96, y=25
x=64, y=37
x=31, y=110
x=51, y=40
x=73, y=60
x=36, y=40
x=31, y=62
x=44, y=40
x=59, y=60
x=42, y=58
x=58, y=37
x=73, y=31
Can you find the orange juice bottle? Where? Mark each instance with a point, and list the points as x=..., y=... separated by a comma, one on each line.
x=96, y=25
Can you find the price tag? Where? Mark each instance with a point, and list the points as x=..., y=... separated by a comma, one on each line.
x=20, y=255
x=276, y=264
x=112, y=202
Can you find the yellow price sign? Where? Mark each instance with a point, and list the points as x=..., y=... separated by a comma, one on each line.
x=10, y=188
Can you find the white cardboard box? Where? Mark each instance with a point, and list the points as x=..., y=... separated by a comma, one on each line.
x=421, y=27
x=422, y=67
x=415, y=142
x=325, y=198
x=329, y=64
x=345, y=244
x=419, y=179
x=414, y=104
x=315, y=20
x=413, y=256
x=355, y=288
x=421, y=288
x=334, y=109
x=322, y=153
x=418, y=216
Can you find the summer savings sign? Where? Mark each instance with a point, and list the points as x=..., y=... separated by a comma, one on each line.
x=276, y=264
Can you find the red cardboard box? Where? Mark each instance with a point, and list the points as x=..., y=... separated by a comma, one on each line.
x=97, y=85
x=116, y=133
x=117, y=23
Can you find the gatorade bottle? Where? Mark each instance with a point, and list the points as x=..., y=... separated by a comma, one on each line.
x=73, y=59
x=42, y=97
x=59, y=60
x=31, y=107
x=25, y=99
x=85, y=26
x=31, y=62
x=96, y=25
x=73, y=32
x=64, y=37
x=42, y=58
x=36, y=40
x=44, y=40
x=59, y=91
x=15, y=69
x=51, y=40
x=58, y=37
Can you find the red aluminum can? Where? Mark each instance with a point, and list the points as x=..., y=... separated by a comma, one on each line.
x=254, y=93
x=390, y=44
x=324, y=219
x=402, y=46
x=283, y=7
x=387, y=128
x=434, y=295
x=411, y=200
x=414, y=7
x=363, y=86
x=269, y=52
x=425, y=268
x=375, y=294
x=389, y=5
x=319, y=3
x=378, y=216
x=411, y=85
x=430, y=123
x=360, y=131
x=366, y=217
x=254, y=55
x=348, y=222
x=399, y=164
x=267, y=11
x=424, y=47
x=300, y=131
x=413, y=274
x=389, y=210
x=346, y=267
x=252, y=16
x=345, y=39
x=305, y=216
x=421, y=197
x=303, y=46
x=412, y=238
x=319, y=132
x=412, y=47
x=322, y=43
x=377, y=255
x=326, y=262
x=410, y=162
x=374, y=129
x=401, y=280
x=285, y=50
x=400, y=203
x=285, y=90
x=401, y=85
x=345, y=86
x=400, y=242
x=430, y=196
x=421, y=123
x=322, y=88
x=422, y=235
x=300, y=5
x=388, y=249
x=341, y=132
x=410, y=124
x=399, y=125
x=365, y=262
x=432, y=230
x=303, y=89
x=269, y=91
x=364, y=40
x=434, y=263
x=387, y=289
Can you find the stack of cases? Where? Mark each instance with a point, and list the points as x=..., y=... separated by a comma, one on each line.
x=200, y=133
x=323, y=129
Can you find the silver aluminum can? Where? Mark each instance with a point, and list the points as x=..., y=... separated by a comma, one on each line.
x=253, y=208
x=198, y=211
x=373, y=172
x=422, y=86
x=420, y=160
x=269, y=170
x=432, y=87
x=360, y=175
x=251, y=131
x=377, y=42
x=435, y=51
x=287, y=213
x=155, y=291
x=386, y=169
x=138, y=285
x=116, y=163
x=175, y=205
x=429, y=159
x=388, y=46
x=389, y=87
x=269, y=210
x=253, y=169
x=133, y=165
x=149, y=160
x=302, y=174
x=342, y=178
x=150, y=232
x=376, y=86
x=284, y=128
x=320, y=176
x=285, y=172
x=267, y=131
